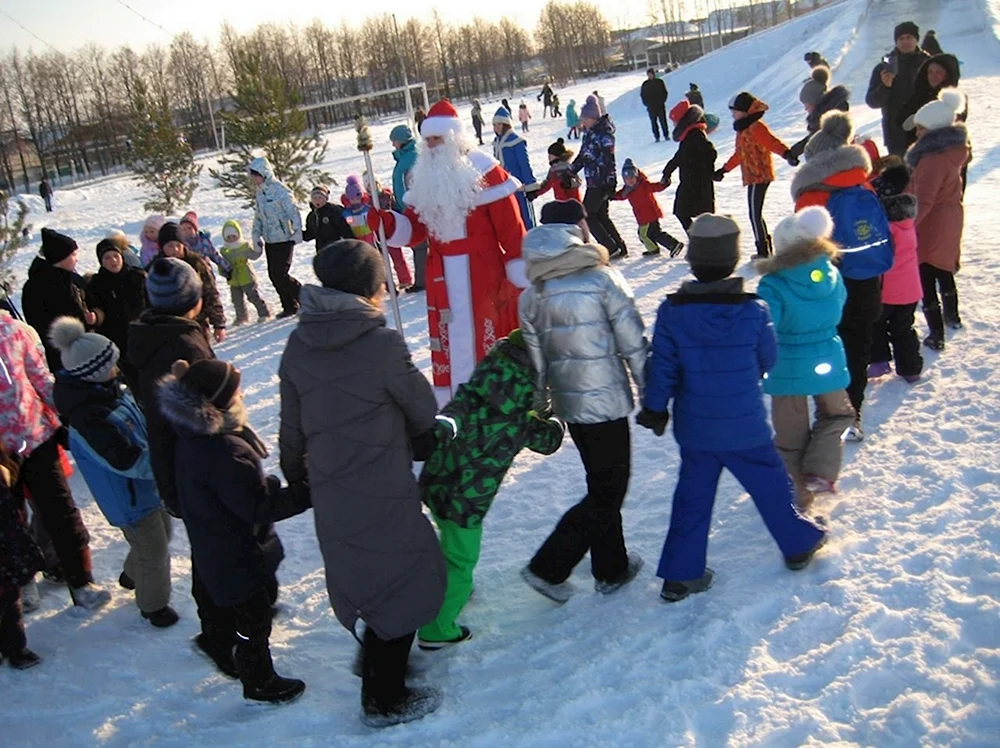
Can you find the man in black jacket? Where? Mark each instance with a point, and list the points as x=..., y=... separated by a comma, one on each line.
x=325, y=222
x=891, y=84
x=654, y=97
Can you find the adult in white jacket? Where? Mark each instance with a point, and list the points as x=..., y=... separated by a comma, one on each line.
x=278, y=225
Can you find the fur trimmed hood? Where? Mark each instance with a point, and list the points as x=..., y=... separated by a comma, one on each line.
x=192, y=413
x=900, y=207
x=937, y=141
x=819, y=168
x=836, y=99
x=800, y=253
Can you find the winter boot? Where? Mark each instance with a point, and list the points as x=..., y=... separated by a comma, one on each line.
x=635, y=564
x=878, y=369
x=674, y=592
x=240, y=321
x=764, y=248
x=219, y=653
x=277, y=690
x=801, y=561
x=855, y=433
x=415, y=703
x=949, y=308
x=24, y=659
x=89, y=597
x=935, y=325
x=54, y=575
x=557, y=593
x=126, y=582
x=430, y=646
x=676, y=250
x=818, y=484
x=163, y=618
x=256, y=671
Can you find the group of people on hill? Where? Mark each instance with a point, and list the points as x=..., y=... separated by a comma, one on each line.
x=533, y=333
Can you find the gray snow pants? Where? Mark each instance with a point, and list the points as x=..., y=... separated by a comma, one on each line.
x=148, y=560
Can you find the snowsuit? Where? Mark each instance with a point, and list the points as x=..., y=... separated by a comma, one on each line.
x=892, y=100
x=653, y=95
x=695, y=158
x=50, y=293
x=893, y=336
x=572, y=120
x=754, y=145
x=20, y=561
x=711, y=346
x=477, y=121
x=212, y=315
x=242, y=278
x=565, y=185
x=276, y=221
x=582, y=329
x=201, y=244
x=597, y=161
x=936, y=162
x=118, y=299
x=647, y=212
x=523, y=116
x=28, y=428
x=805, y=295
x=109, y=443
x=493, y=421
x=511, y=150
x=229, y=507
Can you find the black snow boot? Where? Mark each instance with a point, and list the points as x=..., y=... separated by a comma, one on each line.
x=801, y=561
x=163, y=618
x=260, y=682
x=635, y=564
x=935, y=325
x=415, y=703
x=23, y=659
x=674, y=592
x=764, y=248
x=126, y=582
x=218, y=651
x=949, y=308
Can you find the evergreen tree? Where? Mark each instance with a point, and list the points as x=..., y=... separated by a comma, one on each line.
x=11, y=239
x=265, y=119
x=160, y=157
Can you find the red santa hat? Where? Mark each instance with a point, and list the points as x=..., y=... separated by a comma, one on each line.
x=442, y=120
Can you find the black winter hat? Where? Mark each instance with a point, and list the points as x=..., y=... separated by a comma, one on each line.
x=559, y=149
x=893, y=181
x=563, y=211
x=906, y=27
x=742, y=101
x=107, y=245
x=169, y=232
x=713, y=246
x=351, y=266
x=56, y=247
x=216, y=381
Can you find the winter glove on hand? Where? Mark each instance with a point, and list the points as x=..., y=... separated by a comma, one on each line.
x=260, y=242
x=655, y=422
x=719, y=175
x=666, y=181
x=273, y=483
x=531, y=194
x=790, y=157
x=424, y=445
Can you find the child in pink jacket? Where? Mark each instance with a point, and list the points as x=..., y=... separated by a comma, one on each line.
x=894, y=337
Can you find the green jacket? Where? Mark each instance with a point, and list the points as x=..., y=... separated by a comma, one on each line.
x=493, y=421
x=239, y=254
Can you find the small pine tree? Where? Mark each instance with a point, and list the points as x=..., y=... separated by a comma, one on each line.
x=11, y=239
x=160, y=157
x=265, y=119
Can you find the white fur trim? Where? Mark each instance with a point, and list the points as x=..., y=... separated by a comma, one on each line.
x=440, y=127
x=482, y=160
x=517, y=273
x=461, y=327
x=403, y=232
x=498, y=192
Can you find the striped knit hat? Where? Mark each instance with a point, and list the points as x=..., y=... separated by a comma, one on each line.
x=85, y=355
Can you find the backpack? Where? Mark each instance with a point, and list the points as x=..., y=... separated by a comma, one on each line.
x=861, y=230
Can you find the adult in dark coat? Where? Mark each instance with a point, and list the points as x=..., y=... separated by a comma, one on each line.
x=117, y=294
x=352, y=403
x=654, y=97
x=693, y=95
x=815, y=60
x=892, y=84
x=695, y=158
x=45, y=190
x=936, y=74
x=212, y=314
x=930, y=44
x=325, y=222
x=53, y=290
x=818, y=99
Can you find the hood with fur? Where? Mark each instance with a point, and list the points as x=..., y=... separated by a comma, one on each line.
x=938, y=141
x=800, y=253
x=191, y=413
x=815, y=174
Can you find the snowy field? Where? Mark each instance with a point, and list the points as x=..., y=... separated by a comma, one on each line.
x=891, y=638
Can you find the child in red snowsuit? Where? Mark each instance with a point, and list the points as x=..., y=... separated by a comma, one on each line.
x=641, y=194
x=561, y=179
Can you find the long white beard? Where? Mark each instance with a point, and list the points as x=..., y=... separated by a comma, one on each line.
x=445, y=188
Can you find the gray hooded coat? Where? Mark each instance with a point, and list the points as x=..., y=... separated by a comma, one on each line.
x=351, y=400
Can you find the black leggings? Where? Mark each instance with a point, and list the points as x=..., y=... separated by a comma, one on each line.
x=932, y=278
x=596, y=201
x=755, y=200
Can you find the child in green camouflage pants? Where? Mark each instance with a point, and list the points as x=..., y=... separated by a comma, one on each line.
x=480, y=432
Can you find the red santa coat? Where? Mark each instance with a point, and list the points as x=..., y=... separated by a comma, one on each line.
x=473, y=280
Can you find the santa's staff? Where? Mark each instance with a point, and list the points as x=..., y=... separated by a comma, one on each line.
x=365, y=146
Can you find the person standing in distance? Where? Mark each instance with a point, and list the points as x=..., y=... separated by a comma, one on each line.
x=278, y=225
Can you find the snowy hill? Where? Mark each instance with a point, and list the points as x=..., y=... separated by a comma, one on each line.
x=892, y=638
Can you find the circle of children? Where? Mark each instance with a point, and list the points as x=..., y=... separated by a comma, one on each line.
x=835, y=304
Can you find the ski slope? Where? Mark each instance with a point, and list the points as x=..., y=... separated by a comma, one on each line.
x=891, y=638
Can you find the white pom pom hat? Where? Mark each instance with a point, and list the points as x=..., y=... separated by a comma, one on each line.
x=942, y=111
x=806, y=226
x=441, y=121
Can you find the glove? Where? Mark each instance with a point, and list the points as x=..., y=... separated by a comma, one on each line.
x=531, y=195
x=297, y=237
x=62, y=437
x=423, y=445
x=719, y=175
x=273, y=483
x=791, y=158
x=652, y=420
x=666, y=181
x=260, y=242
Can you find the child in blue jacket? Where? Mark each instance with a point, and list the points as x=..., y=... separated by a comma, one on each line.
x=511, y=150
x=711, y=346
x=107, y=436
x=805, y=295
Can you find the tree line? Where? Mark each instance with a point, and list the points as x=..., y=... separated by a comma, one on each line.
x=78, y=110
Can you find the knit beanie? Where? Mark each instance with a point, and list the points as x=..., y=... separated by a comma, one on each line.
x=56, y=247
x=742, y=101
x=811, y=57
x=216, y=381
x=85, y=355
x=807, y=226
x=835, y=131
x=629, y=169
x=590, y=109
x=893, y=180
x=814, y=88
x=191, y=218
x=906, y=27
x=154, y=222
x=169, y=232
x=173, y=286
x=559, y=149
x=108, y=245
x=502, y=117
x=563, y=211
x=713, y=245
x=351, y=266
x=320, y=189
x=353, y=189
x=400, y=134
x=938, y=113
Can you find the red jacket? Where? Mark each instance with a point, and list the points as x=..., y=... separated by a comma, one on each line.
x=643, y=199
x=555, y=179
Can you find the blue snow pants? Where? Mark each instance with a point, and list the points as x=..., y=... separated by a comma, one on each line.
x=762, y=473
x=527, y=210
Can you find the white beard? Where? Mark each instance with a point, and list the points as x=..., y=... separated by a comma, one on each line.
x=445, y=188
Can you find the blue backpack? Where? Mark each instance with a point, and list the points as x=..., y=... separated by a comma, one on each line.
x=861, y=230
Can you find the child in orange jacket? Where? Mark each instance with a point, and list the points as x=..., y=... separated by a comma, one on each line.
x=754, y=145
x=641, y=194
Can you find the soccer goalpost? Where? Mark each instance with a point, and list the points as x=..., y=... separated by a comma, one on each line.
x=372, y=97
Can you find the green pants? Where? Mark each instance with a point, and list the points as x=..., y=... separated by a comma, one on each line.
x=460, y=546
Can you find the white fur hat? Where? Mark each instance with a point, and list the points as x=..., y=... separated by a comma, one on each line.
x=942, y=111
x=808, y=225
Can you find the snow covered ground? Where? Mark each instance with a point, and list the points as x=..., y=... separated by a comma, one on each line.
x=892, y=638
